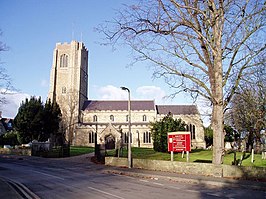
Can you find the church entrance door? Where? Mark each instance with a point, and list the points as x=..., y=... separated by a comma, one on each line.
x=109, y=142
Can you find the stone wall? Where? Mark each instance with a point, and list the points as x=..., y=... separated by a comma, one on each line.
x=25, y=151
x=231, y=171
x=204, y=169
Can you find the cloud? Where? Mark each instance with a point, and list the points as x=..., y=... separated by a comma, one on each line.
x=12, y=103
x=151, y=92
x=112, y=92
x=44, y=83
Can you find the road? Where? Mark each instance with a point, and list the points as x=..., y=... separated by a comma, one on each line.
x=69, y=178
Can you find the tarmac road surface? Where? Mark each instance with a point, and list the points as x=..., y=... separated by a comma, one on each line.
x=79, y=178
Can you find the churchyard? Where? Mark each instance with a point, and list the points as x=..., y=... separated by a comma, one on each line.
x=197, y=155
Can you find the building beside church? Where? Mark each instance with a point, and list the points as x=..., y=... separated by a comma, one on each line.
x=6, y=124
x=85, y=120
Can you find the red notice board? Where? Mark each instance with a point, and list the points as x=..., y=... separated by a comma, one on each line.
x=179, y=141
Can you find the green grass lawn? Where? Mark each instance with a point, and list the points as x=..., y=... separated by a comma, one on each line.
x=195, y=156
x=80, y=150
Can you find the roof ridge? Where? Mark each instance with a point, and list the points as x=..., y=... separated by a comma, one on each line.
x=176, y=105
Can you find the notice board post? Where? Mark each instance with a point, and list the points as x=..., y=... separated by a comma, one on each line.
x=179, y=142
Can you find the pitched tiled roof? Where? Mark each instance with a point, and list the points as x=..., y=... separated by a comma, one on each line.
x=7, y=123
x=177, y=109
x=104, y=105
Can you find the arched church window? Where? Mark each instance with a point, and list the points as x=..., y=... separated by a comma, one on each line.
x=95, y=119
x=112, y=118
x=192, y=130
x=126, y=137
x=147, y=137
x=91, y=137
x=127, y=118
x=144, y=118
x=63, y=61
x=193, y=133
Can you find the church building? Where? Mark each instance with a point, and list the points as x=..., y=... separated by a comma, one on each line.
x=85, y=120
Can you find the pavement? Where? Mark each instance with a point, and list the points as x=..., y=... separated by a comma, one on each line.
x=14, y=190
x=206, y=181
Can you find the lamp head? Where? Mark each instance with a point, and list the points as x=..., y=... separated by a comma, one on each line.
x=124, y=88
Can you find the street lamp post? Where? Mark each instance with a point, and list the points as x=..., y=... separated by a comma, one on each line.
x=129, y=127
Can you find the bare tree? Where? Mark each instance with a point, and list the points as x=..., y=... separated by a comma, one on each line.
x=69, y=108
x=247, y=111
x=5, y=83
x=203, y=47
x=5, y=80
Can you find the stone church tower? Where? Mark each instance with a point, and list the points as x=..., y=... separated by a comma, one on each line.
x=69, y=82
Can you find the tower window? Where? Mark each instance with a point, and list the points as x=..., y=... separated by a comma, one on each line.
x=85, y=63
x=85, y=77
x=95, y=118
x=63, y=61
x=64, y=90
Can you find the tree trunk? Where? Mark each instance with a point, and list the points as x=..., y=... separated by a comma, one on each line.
x=218, y=108
x=218, y=134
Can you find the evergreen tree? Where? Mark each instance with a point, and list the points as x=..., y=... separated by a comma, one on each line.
x=36, y=121
x=51, y=119
x=231, y=134
x=160, y=129
x=28, y=121
x=208, y=134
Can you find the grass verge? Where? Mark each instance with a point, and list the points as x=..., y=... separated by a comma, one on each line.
x=80, y=150
x=197, y=155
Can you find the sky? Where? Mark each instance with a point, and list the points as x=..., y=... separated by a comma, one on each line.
x=31, y=29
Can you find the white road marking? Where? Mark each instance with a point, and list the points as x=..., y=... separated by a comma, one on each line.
x=192, y=191
x=129, y=177
x=172, y=187
x=46, y=174
x=213, y=194
x=105, y=193
x=144, y=180
x=158, y=183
